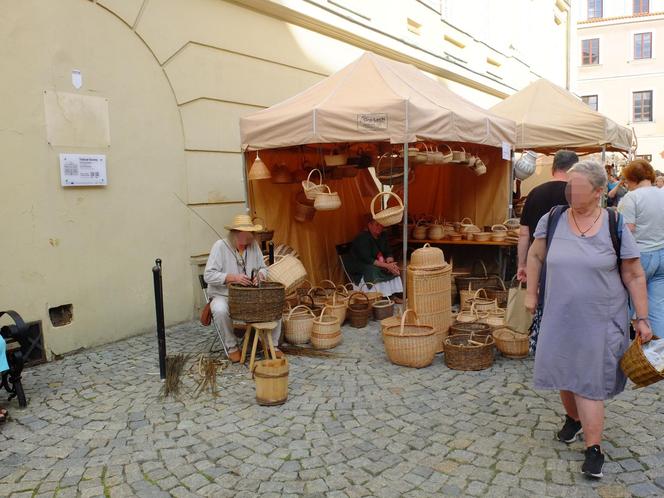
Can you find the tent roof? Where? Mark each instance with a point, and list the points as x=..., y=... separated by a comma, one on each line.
x=550, y=118
x=374, y=99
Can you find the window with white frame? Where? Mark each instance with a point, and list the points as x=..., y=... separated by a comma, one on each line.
x=642, y=106
x=643, y=46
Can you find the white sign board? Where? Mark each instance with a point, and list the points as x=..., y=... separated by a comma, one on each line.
x=80, y=170
x=507, y=151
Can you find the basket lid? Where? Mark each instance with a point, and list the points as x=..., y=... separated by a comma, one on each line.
x=427, y=257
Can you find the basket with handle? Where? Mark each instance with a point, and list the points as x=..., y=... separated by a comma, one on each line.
x=328, y=286
x=476, y=279
x=303, y=288
x=388, y=216
x=498, y=233
x=637, y=367
x=327, y=201
x=383, y=308
x=326, y=333
x=512, y=224
x=308, y=301
x=372, y=295
x=311, y=189
x=494, y=317
x=264, y=234
x=510, y=343
x=500, y=293
x=471, y=316
x=436, y=231
x=476, y=328
x=262, y=303
x=420, y=230
x=359, y=310
x=482, y=304
x=469, y=352
x=427, y=257
x=410, y=345
x=337, y=307
x=298, y=325
x=288, y=271
x=318, y=295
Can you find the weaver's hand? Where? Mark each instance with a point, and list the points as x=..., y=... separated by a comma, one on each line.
x=643, y=330
x=238, y=278
x=531, y=303
x=258, y=278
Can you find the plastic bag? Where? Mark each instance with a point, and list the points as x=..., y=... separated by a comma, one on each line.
x=654, y=352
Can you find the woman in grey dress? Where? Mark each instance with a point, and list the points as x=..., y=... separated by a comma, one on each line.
x=585, y=323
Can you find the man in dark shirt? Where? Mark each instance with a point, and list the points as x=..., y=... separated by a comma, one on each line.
x=540, y=200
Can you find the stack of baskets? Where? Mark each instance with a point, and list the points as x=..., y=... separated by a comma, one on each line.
x=429, y=290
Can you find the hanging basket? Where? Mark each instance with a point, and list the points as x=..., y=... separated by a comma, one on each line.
x=304, y=208
x=469, y=352
x=311, y=189
x=327, y=201
x=359, y=310
x=298, y=325
x=388, y=216
x=410, y=345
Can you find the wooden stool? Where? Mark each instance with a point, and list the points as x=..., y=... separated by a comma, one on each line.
x=264, y=331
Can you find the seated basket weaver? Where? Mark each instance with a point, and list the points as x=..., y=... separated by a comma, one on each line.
x=370, y=259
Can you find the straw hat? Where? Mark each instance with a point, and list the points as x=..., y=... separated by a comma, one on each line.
x=243, y=223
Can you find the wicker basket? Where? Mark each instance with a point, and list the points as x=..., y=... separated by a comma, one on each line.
x=292, y=300
x=499, y=293
x=395, y=321
x=319, y=296
x=308, y=301
x=427, y=257
x=303, y=288
x=471, y=316
x=420, y=230
x=288, y=271
x=388, y=216
x=476, y=328
x=326, y=341
x=327, y=201
x=410, y=345
x=304, y=208
x=494, y=318
x=311, y=189
x=512, y=224
x=482, y=304
x=476, y=279
x=329, y=287
x=466, y=296
x=383, y=308
x=467, y=227
x=372, y=295
x=326, y=332
x=264, y=303
x=469, y=352
x=359, y=310
x=298, y=325
x=338, y=307
x=429, y=295
x=511, y=343
x=482, y=236
x=435, y=231
x=637, y=367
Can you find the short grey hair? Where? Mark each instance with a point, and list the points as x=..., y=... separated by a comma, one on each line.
x=592, y=170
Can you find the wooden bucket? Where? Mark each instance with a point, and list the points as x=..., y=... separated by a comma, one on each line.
x=271, y=378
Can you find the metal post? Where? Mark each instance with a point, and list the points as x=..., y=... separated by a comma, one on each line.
x=405, y=219
x=603, y=155
x=246, y=181
x=510, y=197
x=159, y=308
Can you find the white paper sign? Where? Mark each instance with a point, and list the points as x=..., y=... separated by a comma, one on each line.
x=76, y=79
x=507, y=151
x=78, y=170
x=372, y=122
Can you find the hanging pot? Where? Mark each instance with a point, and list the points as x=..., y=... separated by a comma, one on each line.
x=524, y=167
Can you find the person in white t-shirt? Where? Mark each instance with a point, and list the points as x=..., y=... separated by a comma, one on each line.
x=643, y=212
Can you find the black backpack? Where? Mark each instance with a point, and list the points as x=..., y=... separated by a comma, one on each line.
x=615, y=230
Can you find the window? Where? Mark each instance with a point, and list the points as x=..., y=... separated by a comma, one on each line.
x=642, y=105
x=641, y=6
x=594, y=9
x=590, y=51
x=591, y=101
x=643, y=45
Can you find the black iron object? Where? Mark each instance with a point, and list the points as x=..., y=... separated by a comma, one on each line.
x=270, y=252
x=13, y=334
x=159, y=308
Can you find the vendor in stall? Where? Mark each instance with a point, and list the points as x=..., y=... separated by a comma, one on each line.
x=234, y=260
x=370, y=260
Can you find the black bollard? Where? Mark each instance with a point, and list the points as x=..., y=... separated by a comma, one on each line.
x=270, y=252
x=159, y=308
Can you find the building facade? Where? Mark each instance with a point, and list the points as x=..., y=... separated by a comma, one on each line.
x=619, y=66
x=156, y=87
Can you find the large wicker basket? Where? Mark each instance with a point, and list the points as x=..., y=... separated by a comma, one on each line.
x=410, y=345
x=264, y=303
x=326, y=332
x=511, y=343
x=429, y=295
x=288, y=271
x=388, y=216
x=359, y=310
x=637, y=367
x=298, y=325
x=469, y=352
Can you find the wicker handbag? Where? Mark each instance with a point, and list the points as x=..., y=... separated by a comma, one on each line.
x=359, y=310
x=469, y=352
x=311, y=189
x=263, y=303
x=410, y=345
x=383, y=308
x=288, y=271
x=427, y=257
x=298, y=325
x=388, y=216
x=326, y=333
x=637, y=367
x=510, y=343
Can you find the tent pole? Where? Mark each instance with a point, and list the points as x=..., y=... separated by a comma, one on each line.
x=603, y=155
x=510, y=191
x=246, y=181
x=405, y=220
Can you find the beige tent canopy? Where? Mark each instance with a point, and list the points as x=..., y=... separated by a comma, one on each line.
x=374, y=99
x=550, y=118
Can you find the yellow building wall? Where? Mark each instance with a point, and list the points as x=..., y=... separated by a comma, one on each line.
x=177, y=74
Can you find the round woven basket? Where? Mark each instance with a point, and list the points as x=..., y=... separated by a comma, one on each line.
x=482, y=304
x=410, y=345
x=359, y=310
x=637, y=367
x=383, y=308
x=427, y=257
x=326, y=341
x=388, y=216
x=325, y=324
x=319, y=296
x=495, y=317
x=311, y=189
x=298, y=325
x=435, y=231
x=469, y=352
x=511, y=343
x=327, y=201
x=499, y=293
x=420, y=230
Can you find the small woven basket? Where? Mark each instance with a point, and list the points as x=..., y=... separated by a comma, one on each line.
x=410, y=345
x=338, y=307
x=469, y=352
x=327, y=201
x=637, y=367
x=383, y=308
x=298, y=325
x=359, y=310
x=482, y=304
x=311, y=189
x=511, y=343
x=372, y=295
x=388, y=216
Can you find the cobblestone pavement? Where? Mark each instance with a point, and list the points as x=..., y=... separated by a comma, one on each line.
x=354, y=425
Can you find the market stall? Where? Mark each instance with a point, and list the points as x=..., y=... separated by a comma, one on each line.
x=375, y=108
